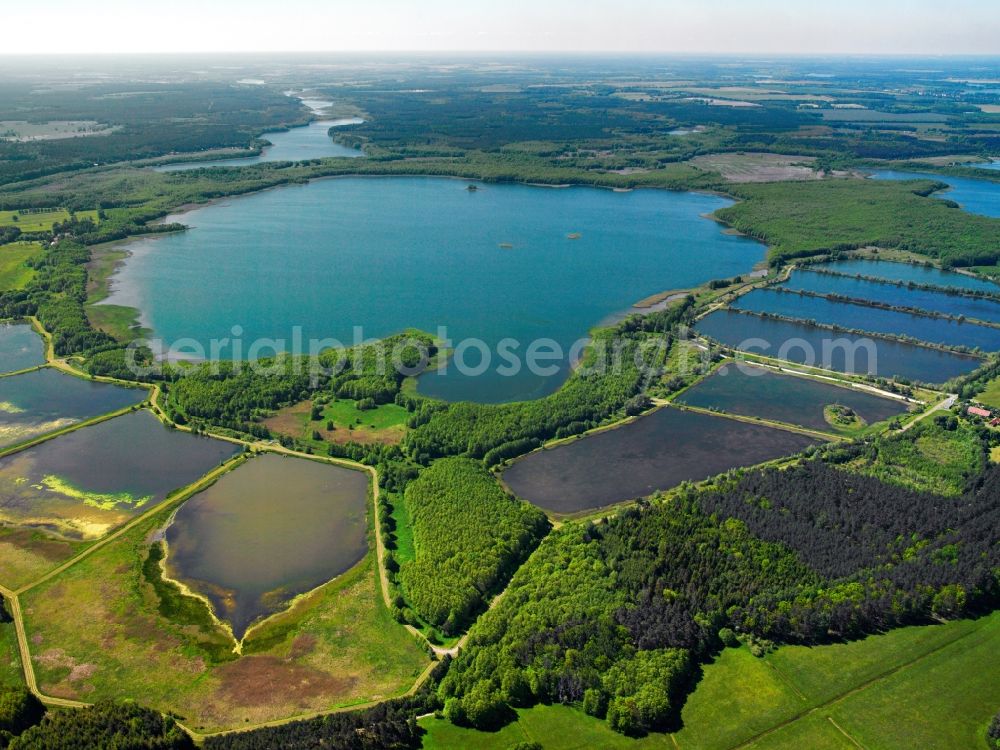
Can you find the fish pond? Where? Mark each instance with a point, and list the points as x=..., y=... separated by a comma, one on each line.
x=41, y=401
x=759, y=392
x=83, y=484
x=310, y=141
x=655, y=452
x=273, y=528
x=975, y=196
x=917, y=273
x=862, y=317
x=529, y=265
x=20, y=347
x=979, y=308
x=813, y=346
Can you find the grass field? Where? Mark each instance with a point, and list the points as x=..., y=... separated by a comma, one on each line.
x=554, y=727
x=97, y=632
x=41, y=221
x=10, y=662
x=14, y=274
x=931, y=686
x=991, y=395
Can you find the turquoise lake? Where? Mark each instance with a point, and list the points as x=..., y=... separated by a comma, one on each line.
x=310, y=141
x=20, y=347
x=386, y=254
x=975, y=196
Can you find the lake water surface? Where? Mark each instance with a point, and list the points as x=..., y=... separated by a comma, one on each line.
x=45, y=400
x=20, y=347
x=271, y=529
x=385, y=254
x=655, y=452
x=310, y=141
x=82, y=484
x=804, y=344
x=758, y=392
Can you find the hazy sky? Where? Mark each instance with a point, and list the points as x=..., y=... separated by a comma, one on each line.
x=794, y=26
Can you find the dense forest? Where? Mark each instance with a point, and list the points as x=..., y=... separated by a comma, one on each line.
x=469, y=538
x=138, y=120
x=615, y=616
x=809, y=218
x=104, y=725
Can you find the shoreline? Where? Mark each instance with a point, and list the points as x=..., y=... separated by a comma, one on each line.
x=112, y=284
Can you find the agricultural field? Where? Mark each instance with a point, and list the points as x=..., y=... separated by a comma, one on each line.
x=759, y=167
x=41, y=220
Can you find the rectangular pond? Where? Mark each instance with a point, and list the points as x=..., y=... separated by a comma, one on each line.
x=759, y=392
x=267, y=531
x=951, y=304
x=655, y=452
x=34, y=403
x=502, y=263
x=83, y=484
x=861, y=317
x=919, y=274
x=20, y=347
x=810, y=345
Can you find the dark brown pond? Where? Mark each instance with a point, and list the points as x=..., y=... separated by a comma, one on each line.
x=267, y=531
x=656, y=452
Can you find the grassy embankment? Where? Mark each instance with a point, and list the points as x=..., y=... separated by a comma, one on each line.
x=923, y=686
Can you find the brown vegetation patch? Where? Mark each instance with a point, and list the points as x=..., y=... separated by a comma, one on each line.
x=293, y=421
x=53, y=550
x=753, y=167
x=261, y=680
